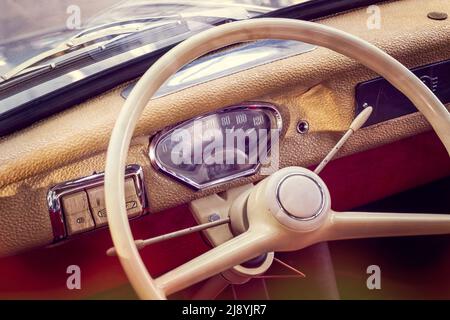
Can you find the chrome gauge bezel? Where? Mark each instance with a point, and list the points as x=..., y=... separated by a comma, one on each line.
x=154, y=141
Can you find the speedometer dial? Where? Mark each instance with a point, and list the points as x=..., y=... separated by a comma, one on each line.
x=217, y=147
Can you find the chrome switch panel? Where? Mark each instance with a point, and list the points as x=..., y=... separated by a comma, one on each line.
x=78, y=206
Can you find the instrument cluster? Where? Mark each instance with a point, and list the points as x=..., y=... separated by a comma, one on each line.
x=219, y=146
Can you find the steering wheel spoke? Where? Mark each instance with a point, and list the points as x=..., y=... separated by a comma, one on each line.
x=223, y=257
x=353, y=225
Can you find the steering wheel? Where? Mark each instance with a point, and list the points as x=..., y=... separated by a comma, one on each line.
x=277, y=222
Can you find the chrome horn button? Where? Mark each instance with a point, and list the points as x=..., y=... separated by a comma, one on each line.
x=297, y=198
x=300, y=196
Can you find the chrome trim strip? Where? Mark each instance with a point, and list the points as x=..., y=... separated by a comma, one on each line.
x=244, y=106
x=55, y=194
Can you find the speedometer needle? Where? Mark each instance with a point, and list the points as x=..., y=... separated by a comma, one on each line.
x=354, y=126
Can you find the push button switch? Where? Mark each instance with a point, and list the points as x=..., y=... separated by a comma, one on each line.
x=133, y=203
x=77, y=213
x=97, y=201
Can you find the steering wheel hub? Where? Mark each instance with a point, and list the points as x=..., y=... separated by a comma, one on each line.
x=297, y=197
x=300, y=196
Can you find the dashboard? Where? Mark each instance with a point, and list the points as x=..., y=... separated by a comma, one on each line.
x=216, y=148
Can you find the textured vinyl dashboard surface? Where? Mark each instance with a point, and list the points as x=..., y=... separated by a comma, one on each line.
x=317, y=86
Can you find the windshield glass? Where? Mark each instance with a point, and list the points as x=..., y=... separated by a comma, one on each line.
x=25, y=33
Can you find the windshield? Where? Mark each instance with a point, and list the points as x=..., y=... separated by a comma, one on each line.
x=25, y=33
x=55, y=54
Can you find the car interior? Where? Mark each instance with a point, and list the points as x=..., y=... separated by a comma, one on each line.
x=352, y=98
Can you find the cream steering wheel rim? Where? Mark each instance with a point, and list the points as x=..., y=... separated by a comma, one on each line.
x=216, y=38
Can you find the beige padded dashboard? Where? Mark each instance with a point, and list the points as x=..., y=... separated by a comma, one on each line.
x=317, y=86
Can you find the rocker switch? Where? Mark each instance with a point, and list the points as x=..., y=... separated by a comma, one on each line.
x=77, y=213
x=97, y=201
